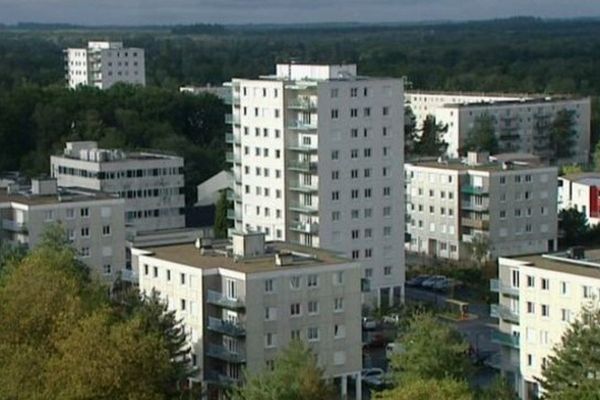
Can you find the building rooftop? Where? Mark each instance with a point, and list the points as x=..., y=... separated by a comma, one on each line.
x=63, y=195
x=584, y=178
x=499, y=95
x=496, y=163
x=89, y=151
x=589, y=266
x=523, y=101
x=303, y=257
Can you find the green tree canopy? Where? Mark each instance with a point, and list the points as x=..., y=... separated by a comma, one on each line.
x=573, y=225
x=431, y=141
x=221, y=221
x=562, y=134
x=295, y=376
x=433, y=350
x=572, y=369
x=482, y=137
x=427, y=389
x=410, y=130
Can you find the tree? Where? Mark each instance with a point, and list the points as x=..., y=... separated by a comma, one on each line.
x=221, y=222
x=480, y=247
x=573, y=225
x=572, y=370
x=500, y=389
x=410, y=130
x=482, y=137
x=427, y=389
x=295, y=376
x=425, y=357
x=431, y=142
x=596, y=157
x=562, y=134
x=570, y=169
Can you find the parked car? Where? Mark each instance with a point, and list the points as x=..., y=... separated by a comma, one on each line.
x=369, y=324
x=373, y=376
x=429, y=282
x=441, y=284
x=417, y=280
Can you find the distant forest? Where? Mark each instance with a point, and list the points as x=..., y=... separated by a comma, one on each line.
x=520, y=54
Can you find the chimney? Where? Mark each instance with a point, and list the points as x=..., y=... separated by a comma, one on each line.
x=248, y=244
x=475, y=158
x=44, y=186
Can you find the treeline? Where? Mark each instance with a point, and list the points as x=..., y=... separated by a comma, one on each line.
x=35, y=122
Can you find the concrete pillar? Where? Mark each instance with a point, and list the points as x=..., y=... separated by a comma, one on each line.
x=344, y=388
x=358, y=387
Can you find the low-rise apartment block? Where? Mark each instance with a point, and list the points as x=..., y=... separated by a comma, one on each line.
x=103, y=64
x=508, y=200
x=242, y=304
x=152, y=184
x=94, y=222
x=581, y=191
x=539, y=296
x=522, y=123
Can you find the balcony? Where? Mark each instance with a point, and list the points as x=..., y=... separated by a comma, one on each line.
x=303, y=208
x=303, y=166
x=505, y=339
x=305, y=227
x=233, y=196
x=470, y=206
x=303, y=149
x=229, y=138
x=302, y=126
x=219, y=299
x=480, y=224
x=475, y=190
x=304, y=188
x=498, y=362
x=498, y=287
x=219, y=379
x=232, y=119
x=226, y=327
x=224, y=354
x=232, y=157
x=233, y=214
x=14, y=226
x=302, y=105
x=129, y=275
x=503, y=312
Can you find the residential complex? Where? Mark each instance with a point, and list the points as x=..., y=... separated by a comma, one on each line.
x=522, y=122
x=242, y=304
x=539, y=296
x=103, y=64
x=580, y=191
x=152, y=184
x=94, y=221
x=317, y=155
x=508, y=200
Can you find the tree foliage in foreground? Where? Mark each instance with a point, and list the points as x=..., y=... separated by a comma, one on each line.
x=295, y=376
x=573, y=370
x=221, y=221
x=482, y=137
x=427, y=389
x=431, y=141
x=562, y=134
x=573, y=224
x=61, y=337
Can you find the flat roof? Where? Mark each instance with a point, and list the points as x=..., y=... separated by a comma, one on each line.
x=458, y=165
x=523, y=102
x=588, y=267
x=584, y=178
x=71, y=195
x=188, y=254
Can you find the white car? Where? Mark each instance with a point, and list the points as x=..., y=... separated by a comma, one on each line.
x=372, y=376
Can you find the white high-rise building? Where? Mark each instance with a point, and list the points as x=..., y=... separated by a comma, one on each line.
x=522, y=123
x=152, y=184
x=102, y=64
x=317, y=154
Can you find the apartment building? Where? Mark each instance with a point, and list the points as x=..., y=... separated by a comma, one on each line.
x=580, y=191
x=103, y=64
x=94, y=222
x=539, y=296
x=242, y=304
x=522, y=122
x=317, y=158
x=152, y=184
x=509, y=199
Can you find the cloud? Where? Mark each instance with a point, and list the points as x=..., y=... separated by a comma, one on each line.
x=128, y=12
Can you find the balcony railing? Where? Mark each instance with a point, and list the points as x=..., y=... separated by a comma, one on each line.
x=303, y=149
x=219, y=379
x=232, y=157
x=304, y=188
x=469, y=206
x=233, y=214
x=302, y=126
x=233, y=196
x=303, y=166
x=481, y=224
x=498, y=287
x=226, y=327
x=219, y=299
x=503, y=312
x=14, y=226
x=505, y=339
x=232, y=119
x=223, y=353
x=476, y=190
x=302, y=105
x=304, y=227
x=129, y=275
x=303, y=208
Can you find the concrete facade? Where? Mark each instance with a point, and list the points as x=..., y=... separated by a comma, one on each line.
x=93, y=221
x=102, y=64
x=240, y=308
x=317, y=155
x=522, y=122
x=452, y=202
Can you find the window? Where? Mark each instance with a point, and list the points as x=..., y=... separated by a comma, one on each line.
x=269, y=286
x=313, y=334
x=334, y=92
x=270, y=313
x=565, y=315
x=354, y=112
x=335, y=195
x=335, y=175
x=183, y=304
x=85, y=232
x=312, y=281
x=387, y=211
x=354, y=153
x=106, y=230
x=387, y=270
x=334, y=113
x=368, y=233
x=530, y=307
x=355, y=233
x=339, y=331
x=368, y=212
x=270, y=340
x=545, y=310
x=368, y=253
x=295, y=334
x=338, y=304
x=182, y=278
x=387, y=191
x=145, y=269
x=587, y=292
x=295, y=309
x=335, y=215
x=564, y=288
x=313, y=307
x=386, y=110
x=353, y=132
x=354, y=173
x=71, y=213
x=107, y=269
x=367, y=111
x=335, y=154
x=338, y=278
x=545, y=284
x=168, y=275
x=84, y=212
x=367, y=152
x=295, y=282
x=155, y=272
x=530, y=281
x=353, y=92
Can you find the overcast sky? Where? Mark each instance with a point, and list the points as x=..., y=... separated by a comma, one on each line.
x=135, y=12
